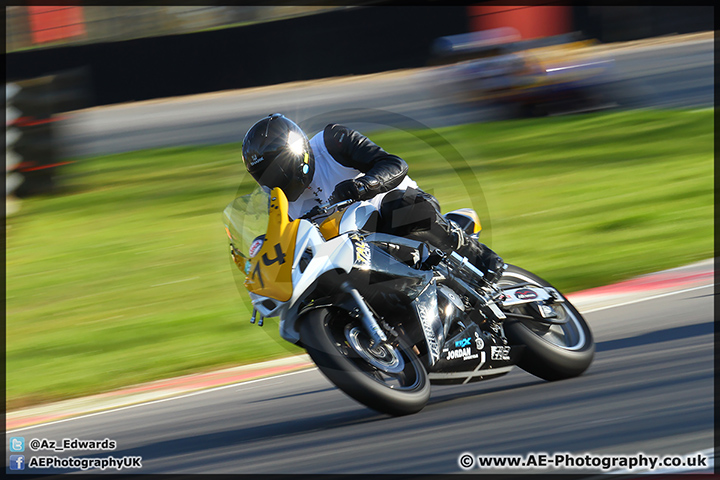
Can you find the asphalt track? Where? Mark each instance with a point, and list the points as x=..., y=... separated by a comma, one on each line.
x=649, y=390
x=666, y=73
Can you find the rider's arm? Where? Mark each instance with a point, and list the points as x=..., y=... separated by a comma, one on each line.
x=383, y=171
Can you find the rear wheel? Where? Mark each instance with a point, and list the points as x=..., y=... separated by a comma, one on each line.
x=552, y=352
x=388, y=377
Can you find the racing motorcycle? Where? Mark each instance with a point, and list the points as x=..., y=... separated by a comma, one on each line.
x=383, y=317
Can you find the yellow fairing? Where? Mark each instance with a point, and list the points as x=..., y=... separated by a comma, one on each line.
x=330, y=227
x=270, y=273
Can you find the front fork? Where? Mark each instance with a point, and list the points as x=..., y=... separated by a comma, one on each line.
x=366, y=316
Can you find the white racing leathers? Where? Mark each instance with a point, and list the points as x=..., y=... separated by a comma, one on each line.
x=328, y=173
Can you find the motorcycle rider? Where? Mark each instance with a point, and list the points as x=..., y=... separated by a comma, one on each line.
x=342, y=163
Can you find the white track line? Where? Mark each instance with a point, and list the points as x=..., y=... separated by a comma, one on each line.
x=646, y=298
x=215, y=389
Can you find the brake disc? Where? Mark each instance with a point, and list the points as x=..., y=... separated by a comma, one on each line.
x=382, y=356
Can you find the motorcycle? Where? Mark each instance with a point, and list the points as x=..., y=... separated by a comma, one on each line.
x=384, y=317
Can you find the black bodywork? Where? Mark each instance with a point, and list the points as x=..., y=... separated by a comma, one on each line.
x=389, y=273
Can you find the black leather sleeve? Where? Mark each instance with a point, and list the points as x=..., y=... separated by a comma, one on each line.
x=383, y=171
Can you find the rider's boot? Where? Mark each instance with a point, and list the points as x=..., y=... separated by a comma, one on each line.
x=479, y=255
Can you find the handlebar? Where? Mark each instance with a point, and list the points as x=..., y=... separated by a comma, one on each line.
x=324, y=208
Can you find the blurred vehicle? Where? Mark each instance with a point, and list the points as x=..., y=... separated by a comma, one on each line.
x=538, y=77
x=384, y=316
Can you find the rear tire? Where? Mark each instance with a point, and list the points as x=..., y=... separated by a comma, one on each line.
x=552, y=352
x=403, y=390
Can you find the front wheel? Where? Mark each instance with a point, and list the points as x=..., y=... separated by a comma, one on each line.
x=552, y=352
x=388, y=378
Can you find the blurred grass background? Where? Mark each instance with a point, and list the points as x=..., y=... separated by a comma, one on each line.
x=126, y=277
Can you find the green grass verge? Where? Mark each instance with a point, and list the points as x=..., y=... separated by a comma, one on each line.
x=126, y=276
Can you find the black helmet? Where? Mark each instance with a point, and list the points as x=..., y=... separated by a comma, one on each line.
x=277, y=153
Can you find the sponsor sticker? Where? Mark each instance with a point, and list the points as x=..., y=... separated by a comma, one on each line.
x=464, y=353
x=425, y=320
x=256, y=246
x=479, y=344
x=463, y=342
x=362, y=252
x=525, y=294
x=500, y=353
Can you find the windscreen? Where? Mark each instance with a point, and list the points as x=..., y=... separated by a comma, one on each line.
x=246, y=219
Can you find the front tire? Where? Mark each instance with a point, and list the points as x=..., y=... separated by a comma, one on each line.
x=389, y=379
x=552, y=352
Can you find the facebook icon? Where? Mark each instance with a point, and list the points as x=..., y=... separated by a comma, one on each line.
x=17, y=462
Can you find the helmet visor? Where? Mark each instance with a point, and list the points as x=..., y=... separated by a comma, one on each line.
x=283, y=174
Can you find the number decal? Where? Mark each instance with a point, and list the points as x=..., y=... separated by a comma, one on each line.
x=279, y=256
x=256, y=271
x=279, y=259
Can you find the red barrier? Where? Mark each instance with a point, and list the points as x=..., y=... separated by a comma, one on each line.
x=530, y=21
x=52, y=23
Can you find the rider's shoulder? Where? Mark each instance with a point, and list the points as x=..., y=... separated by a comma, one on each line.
x=334, y=128
x=338, y=137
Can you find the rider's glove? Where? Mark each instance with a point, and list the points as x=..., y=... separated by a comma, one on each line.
x=314, y=212
x=353, y=189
